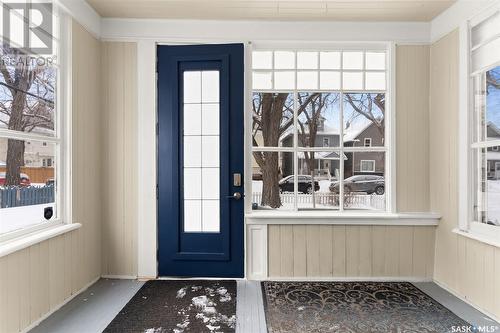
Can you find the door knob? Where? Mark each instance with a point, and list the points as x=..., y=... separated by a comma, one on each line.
x=235, y=196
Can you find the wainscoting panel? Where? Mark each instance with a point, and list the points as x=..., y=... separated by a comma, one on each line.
x=330, y=251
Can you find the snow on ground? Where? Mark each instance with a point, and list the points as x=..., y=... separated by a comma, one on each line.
x=224, y=295
x=323, y=198
x=206, y=307
x=154, y=330
x=181, y=292
x=15, y=218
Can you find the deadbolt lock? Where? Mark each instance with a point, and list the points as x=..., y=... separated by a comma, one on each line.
x=236, y=179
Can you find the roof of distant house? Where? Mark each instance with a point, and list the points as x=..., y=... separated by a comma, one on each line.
x=322, y=155
x=494, y=127
x=353, y=134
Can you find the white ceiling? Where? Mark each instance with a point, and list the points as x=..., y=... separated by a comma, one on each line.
x=329, y=10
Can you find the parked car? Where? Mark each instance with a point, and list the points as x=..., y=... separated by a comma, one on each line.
x=305, y=184
x=25, y=179
x=361, y=183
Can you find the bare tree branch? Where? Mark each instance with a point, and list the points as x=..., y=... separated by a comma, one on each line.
x=492, y=81
x=11, y=87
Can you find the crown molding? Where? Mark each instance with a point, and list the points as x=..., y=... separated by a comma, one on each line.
x=83, y=13
x=453, y=17
x=215, y=30
x=172, y=30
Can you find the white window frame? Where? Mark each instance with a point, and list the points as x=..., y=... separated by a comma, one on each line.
x=62, y=27
x=389, y=146
x=361, y=163
x=369, y=140
x=467, y=225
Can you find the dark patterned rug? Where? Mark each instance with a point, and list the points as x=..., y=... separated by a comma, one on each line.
x=353, y=307
x=178, y=307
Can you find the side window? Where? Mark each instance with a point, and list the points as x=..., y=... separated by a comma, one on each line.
x=31, y=134
x=485, y=116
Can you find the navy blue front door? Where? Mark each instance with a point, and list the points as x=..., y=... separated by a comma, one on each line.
x=200, y=160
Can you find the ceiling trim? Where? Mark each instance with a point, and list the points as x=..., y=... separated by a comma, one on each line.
x=219, y=30
x=457, y=13
x=184, y=30
x=83, y=13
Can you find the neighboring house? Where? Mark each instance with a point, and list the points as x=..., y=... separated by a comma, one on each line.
x=37, y=154
x=364, y=162
x=327, y=164
x=493, y=153
x=255, y=166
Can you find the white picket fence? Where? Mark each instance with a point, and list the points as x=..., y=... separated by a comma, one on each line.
x=365, y=201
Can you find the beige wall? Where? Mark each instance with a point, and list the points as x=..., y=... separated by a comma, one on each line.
x=350, y=251
x=119, y=158
x=37, y=279
x=469, y=268
x=412, y=128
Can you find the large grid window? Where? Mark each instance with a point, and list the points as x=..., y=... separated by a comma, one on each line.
x=312, y=114
x=30, y=134
x=485, y=142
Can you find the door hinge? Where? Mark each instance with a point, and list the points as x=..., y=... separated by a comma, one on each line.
x=157, y=129
x=157, y=191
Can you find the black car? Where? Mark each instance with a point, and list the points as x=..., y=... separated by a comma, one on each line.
x=305, y=184
x=362, y=183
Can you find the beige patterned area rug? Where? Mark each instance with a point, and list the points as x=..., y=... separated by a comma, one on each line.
x=354, y=307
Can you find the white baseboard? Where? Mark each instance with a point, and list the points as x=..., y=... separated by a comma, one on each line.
x=196, y=278
x=120, y=277
x=465, y=300
x=67, y=300
x=146, y=278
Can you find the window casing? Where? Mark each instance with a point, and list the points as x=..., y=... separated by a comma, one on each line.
x=344, y=78
x=44, y=164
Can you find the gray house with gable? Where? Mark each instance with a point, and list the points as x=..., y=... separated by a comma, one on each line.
x=327, y=164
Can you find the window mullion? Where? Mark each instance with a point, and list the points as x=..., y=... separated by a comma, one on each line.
x=27, y=136
x=295, y=154
x=341, y=152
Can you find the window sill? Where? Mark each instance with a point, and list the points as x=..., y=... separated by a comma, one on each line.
x=404, y=219
x=25, y=241
x=478, y=237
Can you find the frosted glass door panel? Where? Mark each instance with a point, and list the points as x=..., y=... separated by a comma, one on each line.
x=201, y=163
